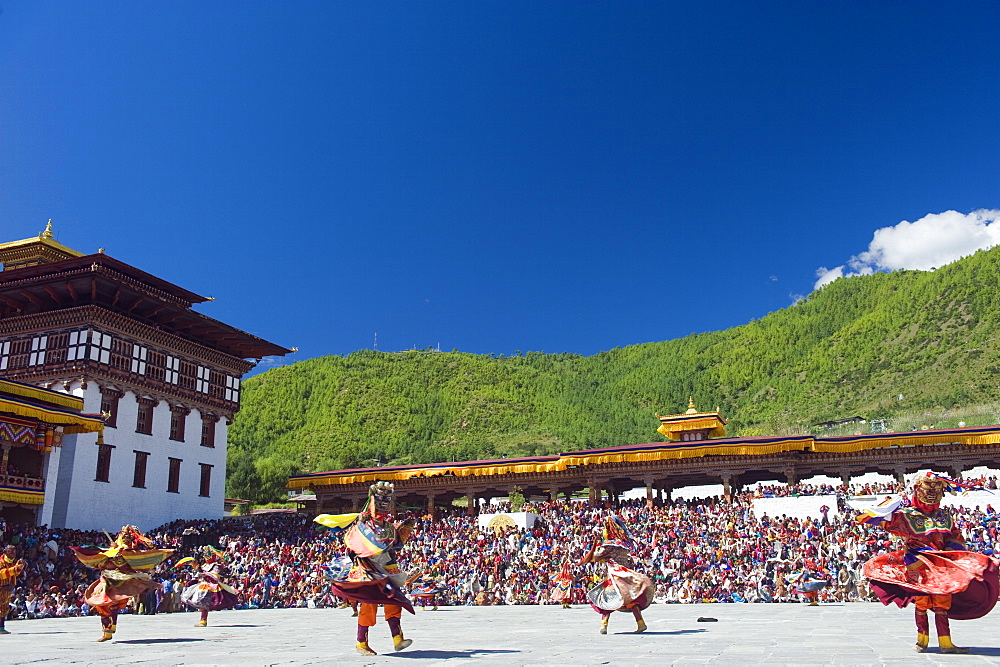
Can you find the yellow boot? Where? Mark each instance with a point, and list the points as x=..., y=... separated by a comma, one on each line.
x=640, y=626
x=922, y=642
x=399, y=643
x=604, y=627
x=364, y=649
x=201, y=624
x=944, y=641
x=106, y=636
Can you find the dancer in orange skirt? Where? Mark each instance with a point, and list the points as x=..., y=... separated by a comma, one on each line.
x=934, y=570
x=624, y=589
x=124, y=565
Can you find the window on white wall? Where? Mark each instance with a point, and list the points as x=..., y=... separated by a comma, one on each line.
x=93, y=345
x=100, y=347
x=139, y=359
x=173, y=369
x=37, y=356
x=77, y=345
x=202, y=380
x=232, y=389
x=4, y=355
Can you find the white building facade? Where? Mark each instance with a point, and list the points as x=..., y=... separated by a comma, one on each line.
x=166, y=378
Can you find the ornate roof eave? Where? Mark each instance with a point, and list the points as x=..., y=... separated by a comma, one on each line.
x=122, y=325
x=113, y=267
x=232, y=343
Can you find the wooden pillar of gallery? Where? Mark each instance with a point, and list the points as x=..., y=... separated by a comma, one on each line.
x=431, y=509
x=791, y=476
x=472, y=503
x=845, y=479
x=727, y=488
x=954, y=471
x=6, y=456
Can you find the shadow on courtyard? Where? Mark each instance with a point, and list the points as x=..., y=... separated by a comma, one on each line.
x=168, y=640
x=663, y=632
x=444, y=655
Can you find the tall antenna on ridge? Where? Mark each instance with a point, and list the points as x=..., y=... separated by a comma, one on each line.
x=376, y=339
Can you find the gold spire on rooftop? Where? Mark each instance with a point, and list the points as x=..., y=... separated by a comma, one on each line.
x=692, y=425
x=41, y=249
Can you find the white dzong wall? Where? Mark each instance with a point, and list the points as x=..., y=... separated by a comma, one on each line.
x=75, y=499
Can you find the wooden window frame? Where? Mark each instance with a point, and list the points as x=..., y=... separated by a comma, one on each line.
x=178, y=422
x=144, y=416
x=172, y=365
x=205, y=484
x=208, y=423
x=38, y=349
x=232, y=389
x=139, y=472
x=103, y=473
x=140, y=356
x=100, y=347
x=174, y=475
x=109, y=405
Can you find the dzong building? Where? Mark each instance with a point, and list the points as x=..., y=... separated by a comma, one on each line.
x=127, y=344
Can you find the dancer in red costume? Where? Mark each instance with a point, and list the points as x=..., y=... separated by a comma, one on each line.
x=123, y=568
x=373, y=578
x=933, y=570
x=624, y=589
x=207, y=592
x=562, y=585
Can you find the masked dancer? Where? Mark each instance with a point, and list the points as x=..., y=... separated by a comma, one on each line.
x=208, y=593
x=933, y=570
x=124, y=566
x=371, y=575
x=562, y=585
x=10, y=567
x=624, y=589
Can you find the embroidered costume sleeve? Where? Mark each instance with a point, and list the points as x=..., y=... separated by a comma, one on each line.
x=9, y=569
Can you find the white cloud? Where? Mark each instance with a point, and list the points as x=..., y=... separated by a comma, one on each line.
x=931, y=242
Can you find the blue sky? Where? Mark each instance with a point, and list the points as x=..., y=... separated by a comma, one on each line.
x=501, y=176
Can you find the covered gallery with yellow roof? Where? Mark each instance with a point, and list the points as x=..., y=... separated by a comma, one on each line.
x=696, y=452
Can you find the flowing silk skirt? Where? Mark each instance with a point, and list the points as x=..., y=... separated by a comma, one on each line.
x=970, y=578
x=623, y=590
x=209, y=595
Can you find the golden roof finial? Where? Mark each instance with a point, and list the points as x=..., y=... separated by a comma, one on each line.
x=47, y=234
x=691, y=409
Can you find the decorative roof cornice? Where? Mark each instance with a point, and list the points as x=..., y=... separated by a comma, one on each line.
x=122, y=325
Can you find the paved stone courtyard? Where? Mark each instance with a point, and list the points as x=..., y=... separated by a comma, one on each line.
x=786, y=634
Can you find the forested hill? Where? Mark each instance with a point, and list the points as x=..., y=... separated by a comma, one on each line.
x=852, y=348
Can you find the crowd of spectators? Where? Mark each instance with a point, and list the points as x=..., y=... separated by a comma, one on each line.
x=707, y=550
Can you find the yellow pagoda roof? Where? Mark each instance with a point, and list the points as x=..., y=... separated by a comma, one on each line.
x=37, y=250
x=673, y=426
